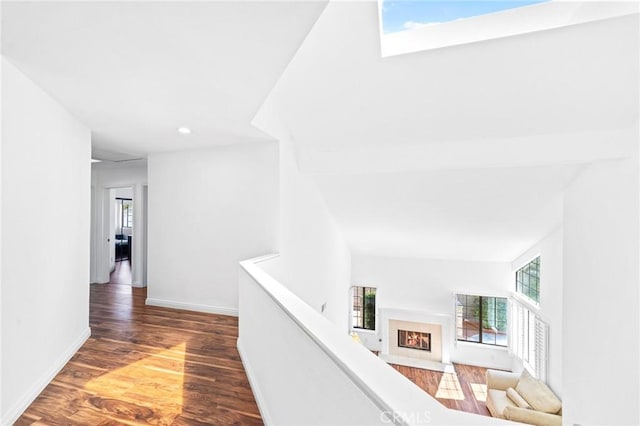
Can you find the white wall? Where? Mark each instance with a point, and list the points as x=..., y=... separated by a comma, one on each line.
x=318, y=393
x=126, y=192
x=139, y=237
x=209, y=209
x=600, y=296
x=106, y=176
x=45, y=184
x=315, y=261
x=429, y=285
x=550, y=310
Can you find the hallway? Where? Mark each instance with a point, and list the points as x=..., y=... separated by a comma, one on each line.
x=149, y=365
x=122, y=273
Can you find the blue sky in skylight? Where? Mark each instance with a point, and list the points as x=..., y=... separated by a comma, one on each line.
x=400, y=15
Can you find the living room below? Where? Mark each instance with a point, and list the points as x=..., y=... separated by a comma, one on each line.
x=429, y=291
x=423, y=291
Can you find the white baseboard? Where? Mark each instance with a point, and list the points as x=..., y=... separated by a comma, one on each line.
x=191, y=307
x=23, y=403
x=138, y=284
x=260, y=401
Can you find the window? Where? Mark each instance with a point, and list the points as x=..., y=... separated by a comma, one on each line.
x=481, y=319
x=414, y=25
x=528, y=280
x=364, y=307
x=530, y=339
x=124, y=213
x=401, y=15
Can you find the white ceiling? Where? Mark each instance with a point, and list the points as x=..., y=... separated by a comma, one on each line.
x=134, y=72
x=480, y=214
x=558, y=81
x=461, y=152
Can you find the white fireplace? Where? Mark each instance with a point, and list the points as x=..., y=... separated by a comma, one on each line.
x=416, y=338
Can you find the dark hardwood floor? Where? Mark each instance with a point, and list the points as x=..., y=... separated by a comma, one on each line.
x=464, y=390
x=122, y=273
x=149, y=365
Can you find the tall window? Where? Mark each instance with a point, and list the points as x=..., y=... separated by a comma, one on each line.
x=528, y=280
x=481, y=319
x=530, y=342
x=364, y=307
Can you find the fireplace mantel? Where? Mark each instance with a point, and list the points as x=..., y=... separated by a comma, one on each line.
x=440, y=325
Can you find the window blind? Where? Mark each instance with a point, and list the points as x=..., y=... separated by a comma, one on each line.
x=529, y=339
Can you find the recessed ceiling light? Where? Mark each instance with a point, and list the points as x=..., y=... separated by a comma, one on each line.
x=184, y=130
x=93, y=160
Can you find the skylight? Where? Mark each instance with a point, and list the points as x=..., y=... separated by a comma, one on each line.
x=401, y=15
x=410, y=26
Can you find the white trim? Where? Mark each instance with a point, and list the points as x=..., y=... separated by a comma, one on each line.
x=220, y=310
x=138, y=283
x=525, y=263
x=265, y=258
x=525, y=301
x=23, y=403
x=469, y=292
x=253, y=382
x=482, y=346
x=364, y=331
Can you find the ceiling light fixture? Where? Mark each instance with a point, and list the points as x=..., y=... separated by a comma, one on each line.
x=93, y=160
x=184, y=130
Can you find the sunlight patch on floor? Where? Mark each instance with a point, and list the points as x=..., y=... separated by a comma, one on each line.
x=158, y=378
x=479, y=391
x=449, y=387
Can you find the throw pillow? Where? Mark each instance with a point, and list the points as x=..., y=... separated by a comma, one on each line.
x=538, y=394
x=517, y=399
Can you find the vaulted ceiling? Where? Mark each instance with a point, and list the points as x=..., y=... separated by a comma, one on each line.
x=461, y=152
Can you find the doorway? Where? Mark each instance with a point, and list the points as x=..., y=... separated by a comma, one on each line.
x=121, y=231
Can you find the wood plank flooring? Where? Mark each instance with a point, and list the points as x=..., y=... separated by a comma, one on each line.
x=464, y=390
x=122, y=273
x=149, y=365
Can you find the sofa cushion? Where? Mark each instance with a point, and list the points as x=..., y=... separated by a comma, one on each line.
x=502, y=380
x=517, y=399
x=538, y=394
x=497, y=400
x=532, y=417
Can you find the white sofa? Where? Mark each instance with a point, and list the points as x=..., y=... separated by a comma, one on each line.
x=522, y=398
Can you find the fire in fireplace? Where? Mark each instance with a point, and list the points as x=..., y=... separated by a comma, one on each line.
x=414, y=340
